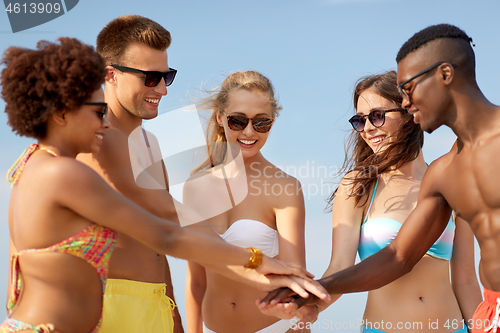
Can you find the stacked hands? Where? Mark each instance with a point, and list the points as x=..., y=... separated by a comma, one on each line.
x=288, y=295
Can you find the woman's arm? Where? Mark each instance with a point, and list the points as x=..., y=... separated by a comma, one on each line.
x=196, y=285
x=78, y=188
x=346, y=222
x=463, y=271
x=290, y=223
x=347, y=217
x=12, y=250
x=75, y=186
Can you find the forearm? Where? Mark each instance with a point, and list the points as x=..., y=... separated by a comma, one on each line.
x=196, y=284
x=194, y=300
x=237, y=273
x=372, y=273
x=468, y=296
x=170, y=293
x=191, y=245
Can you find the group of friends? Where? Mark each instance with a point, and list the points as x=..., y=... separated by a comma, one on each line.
x=75, y=197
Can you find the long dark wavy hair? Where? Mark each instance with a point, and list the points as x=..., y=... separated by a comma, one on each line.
x=360, y=158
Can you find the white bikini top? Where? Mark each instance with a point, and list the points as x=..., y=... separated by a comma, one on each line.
x=250, y=233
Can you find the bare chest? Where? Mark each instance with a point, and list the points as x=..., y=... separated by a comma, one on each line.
x=470, y=183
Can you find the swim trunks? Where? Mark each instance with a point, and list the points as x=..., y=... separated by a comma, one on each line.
x=486, y=316
x=136, y=307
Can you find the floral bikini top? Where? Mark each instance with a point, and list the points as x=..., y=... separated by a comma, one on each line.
x=93, y=244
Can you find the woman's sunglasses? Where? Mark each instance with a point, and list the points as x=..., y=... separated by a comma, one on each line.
x=259, y=124
x=152, y=78
x=103, y=113
x=376, y=117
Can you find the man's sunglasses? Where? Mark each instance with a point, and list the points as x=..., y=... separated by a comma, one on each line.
x=376, y=117
x=152, y=78
x=103, y=113
x=406, y=92
x=259, y=124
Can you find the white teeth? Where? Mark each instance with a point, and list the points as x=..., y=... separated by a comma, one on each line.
x=152, y=100
x=378, y=139
x=248, y=142
x=99, y=136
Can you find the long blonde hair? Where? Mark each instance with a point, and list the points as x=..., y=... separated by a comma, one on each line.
x=218, y=101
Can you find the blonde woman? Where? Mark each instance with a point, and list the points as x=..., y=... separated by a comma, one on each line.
x=270, y=216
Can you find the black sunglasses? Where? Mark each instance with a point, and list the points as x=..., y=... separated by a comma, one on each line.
x=259, y=124
x=405, y=92
x=152, y=78
x=376, y=117
x=104, y=111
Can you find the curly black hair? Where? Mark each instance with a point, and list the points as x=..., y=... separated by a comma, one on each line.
x=52, y=78
x=429, y=34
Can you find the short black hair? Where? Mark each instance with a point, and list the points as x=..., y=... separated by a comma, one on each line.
x=429, y=34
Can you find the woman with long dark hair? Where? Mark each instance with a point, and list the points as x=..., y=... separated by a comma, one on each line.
x=383, y=170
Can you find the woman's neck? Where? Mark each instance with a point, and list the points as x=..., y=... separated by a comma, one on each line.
x=412, y=170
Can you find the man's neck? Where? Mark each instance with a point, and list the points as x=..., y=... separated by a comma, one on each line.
x=475, y=119
x=120, y=118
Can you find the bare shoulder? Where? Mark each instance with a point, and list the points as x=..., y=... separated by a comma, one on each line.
x=278, y=176
x=436, y=175
x=282, y=189
x=346, y=185
x=438, y=167
x=196, y=184
x=64, y=173
x=115, y=148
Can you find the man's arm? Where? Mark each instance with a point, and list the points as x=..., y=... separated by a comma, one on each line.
x=463, y=270
x=420, y=230
x=114, y=165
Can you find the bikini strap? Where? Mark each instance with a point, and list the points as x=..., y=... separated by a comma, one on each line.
x=371, y=201
x=17, y=168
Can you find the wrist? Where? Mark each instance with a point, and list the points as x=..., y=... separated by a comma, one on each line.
x=255, y=258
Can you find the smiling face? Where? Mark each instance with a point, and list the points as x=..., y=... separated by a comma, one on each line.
x=429, y=99
x=375, y=137
x=137, y=99
x=249, y=104
x=87, y=125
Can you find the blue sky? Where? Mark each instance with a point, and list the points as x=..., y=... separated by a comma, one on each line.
x=313, y=51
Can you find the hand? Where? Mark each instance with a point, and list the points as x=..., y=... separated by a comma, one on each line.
x=294, y=286
x=289, y=309
x=275, y=266
x=307, y=314
x=285, y=310
x=283, y=295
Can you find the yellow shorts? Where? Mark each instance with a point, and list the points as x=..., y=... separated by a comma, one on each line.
x=136, y=307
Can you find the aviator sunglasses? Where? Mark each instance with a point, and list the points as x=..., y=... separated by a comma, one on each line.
x=104, y=111
x=259, y=124
x=376, y=117
x=152, y=78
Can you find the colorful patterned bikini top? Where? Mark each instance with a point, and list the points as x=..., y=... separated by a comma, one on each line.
x=93, y=244
x=380, y=232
